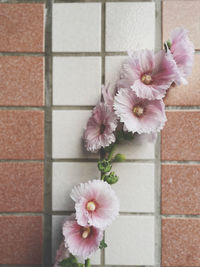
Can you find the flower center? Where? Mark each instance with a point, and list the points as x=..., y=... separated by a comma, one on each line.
x=102, y=128
x=86, y=232
x=146, y=79
x=91, y=206
x=138, y=111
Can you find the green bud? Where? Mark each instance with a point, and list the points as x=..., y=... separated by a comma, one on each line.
x=167, y=45
x=104, y=165
x=112, y=178
x=120, y=157
x=102, y=244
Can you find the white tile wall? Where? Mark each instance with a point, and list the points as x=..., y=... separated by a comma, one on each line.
x=130, y=26
x=130, y=241
x=68, y=127
x=76, y=27
x=57, y=222
x=135, y=187
x=65, y=176
x=76, y=80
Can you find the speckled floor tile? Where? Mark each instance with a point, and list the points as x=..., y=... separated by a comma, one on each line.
x=180, y=242
x=180, y=189
x=22, y=81
x=21, y=134
x=185, y=14
x=186, y=95
x=181, y=136
x=21, y=240
x=21, y=27
x=21, y=186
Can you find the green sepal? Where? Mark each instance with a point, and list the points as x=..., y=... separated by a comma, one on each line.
x=119, y=157
x=103, y=244
x=70, y=262
x=112, y=178
x=104, y=165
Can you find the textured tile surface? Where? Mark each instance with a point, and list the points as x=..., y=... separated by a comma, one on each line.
x=180, y=189
x=186, y=95
x=22, y=27
x=182, y=10
x=57, y=222
x=21, y=186
x=65, y=176
x=22, y=81
x=21, y=240
x=76, y=80
x=21, y=134
x=180, y=242
x=181, y=136
x=68, y=128
x=130, y=241
x=135, y=187
x=130, y=26
x=76, y=27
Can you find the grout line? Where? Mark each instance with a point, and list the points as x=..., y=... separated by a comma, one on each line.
x=197, y=216
x=122, y=213
x=47, y=237
x=22, y=160
x=186, y=108
x=72, y=107
x=180, y=162
x=20, y=213
x=96, y=160
x=21, y=108
x=33, y=54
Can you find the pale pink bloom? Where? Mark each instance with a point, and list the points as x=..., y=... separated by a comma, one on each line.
x=61, y=254
x=81, y=241
x=182, y=51
x=96, y=204
x=100, y=128
x=139, y=115
x=148, y=74
x=108, y=95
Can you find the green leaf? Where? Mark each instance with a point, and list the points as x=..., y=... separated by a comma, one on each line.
x=102, y=244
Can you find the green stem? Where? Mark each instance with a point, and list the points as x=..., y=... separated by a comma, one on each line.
x=103, y=175
x=87, y=263
x=112, y=152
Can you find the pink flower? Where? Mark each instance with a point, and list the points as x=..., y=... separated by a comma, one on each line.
x=108, y=96
x=81, y=241
x=149, y=75
x=61, y=254
x=100, y=128
x=138, y=114
x=182, y=51
x=96, y=204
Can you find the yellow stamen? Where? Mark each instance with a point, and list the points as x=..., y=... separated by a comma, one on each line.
x=146, y=79
x=86, y=232
x=138, y=111
x=91, y=206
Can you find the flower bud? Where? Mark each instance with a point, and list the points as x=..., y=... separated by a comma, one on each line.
x=112, y=178
x=120, y=157
x=104, y=166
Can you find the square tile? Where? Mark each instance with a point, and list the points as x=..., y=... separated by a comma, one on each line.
x=21, y=186
x=22, y=81
x=180, y=242
x=21, y=134
x=22, y=27
x=186, y=95
x=65, y=176
x=135, y=187
x=21, y=239
x=180, y=189
x=181, y=136
x=70, y=90
x=68, y=129
x=182, y=10
x=76, y=27
x=130, y=26
x=138, y=148
x=57, y=222
x=130, y=241
x=112, y=69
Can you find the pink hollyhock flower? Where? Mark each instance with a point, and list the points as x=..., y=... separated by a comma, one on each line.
x=96, y=204
x=61, y=254
x=138, y=114
x=149, y=75
x=81, y=241
x=100, y=128
x=182, y=51
x=108, y=96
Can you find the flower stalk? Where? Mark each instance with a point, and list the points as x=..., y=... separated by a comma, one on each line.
x=87, y=263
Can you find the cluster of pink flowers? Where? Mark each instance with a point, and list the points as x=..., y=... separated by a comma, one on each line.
x=135, y=107
x=137, y=103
